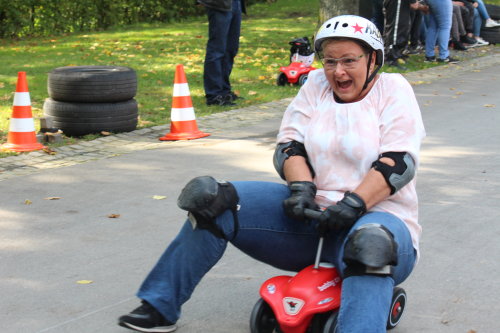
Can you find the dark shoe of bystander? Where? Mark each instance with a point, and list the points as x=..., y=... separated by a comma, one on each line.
x=414, y=49
x=469, y=41
x=397, y=64
x=146, y=319
x=220, y=100
x=457, y=45
x=430, y=59
x=235, y=97
x=449, y=60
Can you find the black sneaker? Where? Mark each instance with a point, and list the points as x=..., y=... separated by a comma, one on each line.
x=235, y=97
x=397, y=64
x=220, y=100
x=468, y=40
x=449, y=60
x=146, y=319
x=430, y=59
x=457, y=45
x=414, y=49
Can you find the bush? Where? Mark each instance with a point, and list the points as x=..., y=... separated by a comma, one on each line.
x=23, y=18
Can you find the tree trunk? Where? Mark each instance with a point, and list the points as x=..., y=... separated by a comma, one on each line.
x=331, y=8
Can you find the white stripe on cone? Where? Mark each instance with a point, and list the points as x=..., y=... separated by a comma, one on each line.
x=181, y=89
x=182, y=114
x=22, y=99
x=22, y=125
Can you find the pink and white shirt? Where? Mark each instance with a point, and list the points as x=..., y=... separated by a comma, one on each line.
x=343, y=139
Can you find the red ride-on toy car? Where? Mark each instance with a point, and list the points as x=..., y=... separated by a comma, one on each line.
x=301, y=59
x=295, y=73
x=309, y=301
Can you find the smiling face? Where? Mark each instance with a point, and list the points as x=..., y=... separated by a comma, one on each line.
x=347, y=83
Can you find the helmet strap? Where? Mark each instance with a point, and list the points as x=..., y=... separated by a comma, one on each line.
x=370, y=77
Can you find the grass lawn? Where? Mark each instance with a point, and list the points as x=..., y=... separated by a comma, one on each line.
x=155, y=50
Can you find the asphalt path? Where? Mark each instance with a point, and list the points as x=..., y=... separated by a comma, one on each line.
x=74, y=263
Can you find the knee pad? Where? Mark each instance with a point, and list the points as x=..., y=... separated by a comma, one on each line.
x=205, y=199
x=370, y=250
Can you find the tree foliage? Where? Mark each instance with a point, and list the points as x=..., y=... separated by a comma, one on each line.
x=21, y=18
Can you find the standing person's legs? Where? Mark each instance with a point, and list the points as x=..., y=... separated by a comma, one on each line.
x=404, y=25
x=442, y=13
x=391, y=11
x=264, y=233
x=369, y=296
x=233, y=42
x=218, y=28
x=378, y=15
x=415, y=31
x=431, y=34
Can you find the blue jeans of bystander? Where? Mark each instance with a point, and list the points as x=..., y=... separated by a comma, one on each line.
x=222, y=47
x=438, y=28
x=480, y=15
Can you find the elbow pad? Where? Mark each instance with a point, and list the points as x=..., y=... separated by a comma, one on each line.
x=284, y=151
x=398, y=175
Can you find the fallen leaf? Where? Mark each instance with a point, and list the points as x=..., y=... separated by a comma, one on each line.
x=114, y=216
x=419, y=82
x=53, y=198
x=49, y=151
x=489, y=105
x=104, y=133
x=27, y=202
x=251, y=92
x=84, y=281
x=159, y=197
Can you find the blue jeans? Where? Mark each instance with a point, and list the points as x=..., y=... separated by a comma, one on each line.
x=480, y=14
x=438, y=27
x=266, y=234
x=222, y=47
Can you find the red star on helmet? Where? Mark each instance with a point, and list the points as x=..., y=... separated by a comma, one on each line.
x=357, y=28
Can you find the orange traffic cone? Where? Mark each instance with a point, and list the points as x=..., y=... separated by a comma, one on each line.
x=183, y=122
x=22, y=136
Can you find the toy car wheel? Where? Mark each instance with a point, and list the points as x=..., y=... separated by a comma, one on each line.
x=397, y=307
x=331, y=323
x=262, y=319
x=282, y=79
x=303, y=79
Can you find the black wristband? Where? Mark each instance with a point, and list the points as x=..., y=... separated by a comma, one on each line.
x=354, y=201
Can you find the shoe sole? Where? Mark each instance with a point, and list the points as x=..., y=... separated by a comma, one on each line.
x=161, y=329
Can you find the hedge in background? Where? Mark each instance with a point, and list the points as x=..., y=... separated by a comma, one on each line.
x=21, y=18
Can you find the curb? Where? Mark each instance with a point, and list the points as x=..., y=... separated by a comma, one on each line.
x=223, y=125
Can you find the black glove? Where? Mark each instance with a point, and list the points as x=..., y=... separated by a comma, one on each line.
x=345, y=212
x=302, y=197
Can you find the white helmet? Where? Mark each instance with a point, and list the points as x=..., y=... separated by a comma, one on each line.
x=355, y=27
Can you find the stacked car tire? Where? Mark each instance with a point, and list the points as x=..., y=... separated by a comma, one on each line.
x=92, y=99
x=492, y=35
